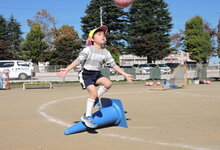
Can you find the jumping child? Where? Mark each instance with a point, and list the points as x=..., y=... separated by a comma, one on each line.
x=92, y=58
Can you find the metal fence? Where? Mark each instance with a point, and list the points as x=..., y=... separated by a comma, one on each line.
x=194, y=72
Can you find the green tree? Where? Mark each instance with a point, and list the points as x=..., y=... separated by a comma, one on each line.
x=177, y=40
x=218, y=39
x=148, y=29
x=115, y=53
x=67, y=46
x=14, y=37
x=4, y=51
x=213, y=34
x=112, y=16
x=34, y=45
x=47, y=23
x=197, y=40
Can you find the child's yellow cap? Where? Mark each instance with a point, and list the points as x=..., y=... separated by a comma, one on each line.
x=103, y=28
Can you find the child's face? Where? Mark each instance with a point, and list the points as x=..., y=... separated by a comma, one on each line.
x=99, y=38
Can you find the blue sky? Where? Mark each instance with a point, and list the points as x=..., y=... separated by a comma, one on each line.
x=183, y=10
x=65, y=11
x=70, y=11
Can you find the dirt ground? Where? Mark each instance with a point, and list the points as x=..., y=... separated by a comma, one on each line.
x=183, y=119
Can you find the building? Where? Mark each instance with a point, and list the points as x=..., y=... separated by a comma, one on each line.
x=174, y=57
x=130, y=60
x=178, y=57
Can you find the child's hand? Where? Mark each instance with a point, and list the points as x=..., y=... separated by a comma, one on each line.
x=62, y=72
x=129, y=78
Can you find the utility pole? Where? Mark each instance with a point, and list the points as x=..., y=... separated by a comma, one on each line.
x=101, y=16
x=218, y=41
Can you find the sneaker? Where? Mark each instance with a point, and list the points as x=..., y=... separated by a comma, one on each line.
x=89, y=121
x=97, y=104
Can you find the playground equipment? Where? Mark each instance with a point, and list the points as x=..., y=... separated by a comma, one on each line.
x=111, y=114
x=4, y=80
x=178, y=79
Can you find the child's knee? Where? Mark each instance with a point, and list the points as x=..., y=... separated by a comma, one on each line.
x=108, y=84
x=93, y=96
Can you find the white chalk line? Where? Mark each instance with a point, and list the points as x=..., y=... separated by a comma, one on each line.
x=62, y=123
x=200, y=95
x=155, y=142
x=57, y=121
x=192, y=94
x=53, y=119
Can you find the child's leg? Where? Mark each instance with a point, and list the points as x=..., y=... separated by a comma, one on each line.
x=105, y=85
x=91, y=100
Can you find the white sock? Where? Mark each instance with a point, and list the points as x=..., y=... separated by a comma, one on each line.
x=101, y=91
x=90, y=103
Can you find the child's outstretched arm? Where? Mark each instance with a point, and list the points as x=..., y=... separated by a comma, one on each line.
x=129, y=77
x=63, y=71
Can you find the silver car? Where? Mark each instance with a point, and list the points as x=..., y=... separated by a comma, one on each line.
x=164, y=69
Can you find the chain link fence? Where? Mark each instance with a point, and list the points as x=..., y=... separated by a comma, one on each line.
x=195, y=71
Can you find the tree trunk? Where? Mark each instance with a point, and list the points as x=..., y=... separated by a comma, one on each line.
x=149, y=59
x=36, y=68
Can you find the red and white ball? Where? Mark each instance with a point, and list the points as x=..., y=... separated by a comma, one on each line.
x=123, y=3
x=149, y=83
x=208, y=82
x=146, y=84
x=158, y=83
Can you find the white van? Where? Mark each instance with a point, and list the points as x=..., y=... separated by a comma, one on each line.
x=17, y=69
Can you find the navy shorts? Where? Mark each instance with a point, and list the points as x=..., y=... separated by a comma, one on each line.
x=88, y=77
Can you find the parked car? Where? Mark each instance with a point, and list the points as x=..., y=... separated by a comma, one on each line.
x=112, y=71
x=17, y=69
x=164, y=68
x=138, y=70
x=172, y=65
x=128, y=69
x=136, y=65
x=146, y=67
x=191, y=65
x=123, y=67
